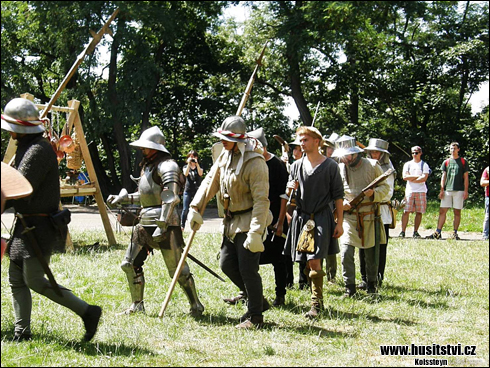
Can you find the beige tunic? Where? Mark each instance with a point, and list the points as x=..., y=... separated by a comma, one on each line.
x=247, y=190
x=355, y=180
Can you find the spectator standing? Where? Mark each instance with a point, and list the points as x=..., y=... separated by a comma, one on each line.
x=484, y=183
x=415, y=173
x=454, y=190
x=193, y=177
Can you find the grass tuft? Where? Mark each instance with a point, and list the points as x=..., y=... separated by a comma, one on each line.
x=434, y=292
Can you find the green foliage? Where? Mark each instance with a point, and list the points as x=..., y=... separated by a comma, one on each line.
x=400, y=71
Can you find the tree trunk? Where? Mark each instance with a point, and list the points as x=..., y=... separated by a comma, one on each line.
x=293, y=58
x=122, y=144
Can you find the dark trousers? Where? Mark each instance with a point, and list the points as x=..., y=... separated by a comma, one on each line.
x=187, y=199
x=242, y=267
x=289, y=271
x=381, y=260
x=274, y=247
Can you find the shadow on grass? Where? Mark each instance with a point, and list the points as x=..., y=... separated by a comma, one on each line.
x=94, y=348
x=306, y=328
x=400, y=295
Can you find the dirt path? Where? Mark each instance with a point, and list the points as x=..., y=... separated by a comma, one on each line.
x=88, y=218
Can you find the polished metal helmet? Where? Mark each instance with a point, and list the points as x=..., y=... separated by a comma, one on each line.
x=22, y=116
x=233, y=129
x=346, y=145
x=259, y=135
x=296, y=142
x=330, y=141
x=376, y=144
x=151, y=138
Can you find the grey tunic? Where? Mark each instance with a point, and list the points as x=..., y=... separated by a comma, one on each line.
x=315, y=193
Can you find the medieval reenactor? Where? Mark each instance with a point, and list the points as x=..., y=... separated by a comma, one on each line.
x=40, y=226
x=241, y=181
x=159, y=186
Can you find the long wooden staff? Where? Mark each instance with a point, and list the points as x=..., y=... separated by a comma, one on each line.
x=214, y=171
x=88, y=50
x=316, y=112
x=250, y=84
x=185, y=252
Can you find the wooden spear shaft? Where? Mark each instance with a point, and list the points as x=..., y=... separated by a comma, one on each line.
x=215, y=167
x=185, y=252
x=250, y=84
x=89, y=49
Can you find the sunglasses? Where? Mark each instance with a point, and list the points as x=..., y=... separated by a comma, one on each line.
x=415, y=153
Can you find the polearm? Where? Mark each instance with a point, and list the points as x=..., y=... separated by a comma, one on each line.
x=214, y=170
x=316, y=112
x=88, y=50
x=185, y=252
x=250, y=84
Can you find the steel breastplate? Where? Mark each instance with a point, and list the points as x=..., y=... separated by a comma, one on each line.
x=150, y=198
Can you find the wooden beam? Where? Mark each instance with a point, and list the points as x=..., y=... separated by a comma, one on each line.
x=91, y=173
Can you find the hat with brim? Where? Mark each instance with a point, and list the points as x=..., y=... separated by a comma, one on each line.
x=296, y=142
x=376, y=144
x=330, y=141
x=233, y=129
x=22, y=116
x=259, y=135
x=14, y=184
x=22, y=126
x=151, y=138
x=345, y=146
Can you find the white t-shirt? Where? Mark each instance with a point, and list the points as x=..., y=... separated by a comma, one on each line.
x=415, y=168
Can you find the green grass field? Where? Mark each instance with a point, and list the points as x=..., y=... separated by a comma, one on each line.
x=435, y=292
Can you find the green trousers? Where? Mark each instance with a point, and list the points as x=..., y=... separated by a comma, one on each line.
x=30, y=276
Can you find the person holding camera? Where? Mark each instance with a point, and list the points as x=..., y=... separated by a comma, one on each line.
x=193, y=177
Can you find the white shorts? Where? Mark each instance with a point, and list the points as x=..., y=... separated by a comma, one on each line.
x=453, y=200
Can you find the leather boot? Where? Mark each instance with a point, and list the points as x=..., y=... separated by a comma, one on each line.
x=350, y=290
x=91, y=320
x=316, y=278
x=241, y=297
x=371, y=287
x=252, y=322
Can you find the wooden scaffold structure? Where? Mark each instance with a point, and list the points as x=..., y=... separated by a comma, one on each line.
x=72, y=141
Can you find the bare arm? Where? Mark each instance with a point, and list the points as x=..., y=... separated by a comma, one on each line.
x=443, y=182
x=483, y=182
x=339, y=230
x=199, y=169
x=466, y=185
